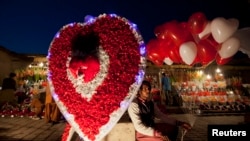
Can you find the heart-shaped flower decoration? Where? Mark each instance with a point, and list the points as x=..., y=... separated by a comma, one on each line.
x=95, y=70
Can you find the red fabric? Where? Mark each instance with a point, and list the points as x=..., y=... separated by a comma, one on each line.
x=89, y=67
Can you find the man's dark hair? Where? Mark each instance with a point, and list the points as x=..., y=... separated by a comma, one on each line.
x=147, y=83
x=12, y=74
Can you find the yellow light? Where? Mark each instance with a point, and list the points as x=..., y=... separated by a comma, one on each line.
x=41, y=64
x=208, y=77
x=218, y=70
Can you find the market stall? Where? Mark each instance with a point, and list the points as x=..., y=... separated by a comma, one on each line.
x=197, y=43
x=31, y=83
x=213, y=93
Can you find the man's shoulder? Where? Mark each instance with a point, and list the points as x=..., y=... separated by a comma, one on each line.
x=7, y=78
x=135, y=100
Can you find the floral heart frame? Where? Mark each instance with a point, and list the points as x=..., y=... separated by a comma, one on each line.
x=92, y=108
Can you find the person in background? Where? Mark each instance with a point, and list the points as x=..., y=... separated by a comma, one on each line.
x=143, y=112
x=21, y=91
x=52, y=112
x=8, y=90
x=37, y=105
x=166, y=88
x=10, y=82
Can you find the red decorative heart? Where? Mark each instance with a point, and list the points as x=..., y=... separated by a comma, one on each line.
x=94, y=92
x=90, y=66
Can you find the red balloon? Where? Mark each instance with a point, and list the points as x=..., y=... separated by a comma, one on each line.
x=206, y=52
x=184, y=25
x=156, y=51
x=159, y=32
x=157, y=62
x=163, y=46
x=211, y=40
x=196, y=61
x=174, y=31
x=173, y=53
x=222, y=61
x=197, y=22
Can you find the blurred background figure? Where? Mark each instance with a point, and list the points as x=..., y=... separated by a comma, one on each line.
x=166, y=88
x=52, y=112
x=37, y=101
x=7, y=94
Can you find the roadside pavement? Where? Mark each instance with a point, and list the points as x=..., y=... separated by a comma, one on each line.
x=199, y=131
x=26, y=129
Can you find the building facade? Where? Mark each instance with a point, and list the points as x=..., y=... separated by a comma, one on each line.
x=11, y=61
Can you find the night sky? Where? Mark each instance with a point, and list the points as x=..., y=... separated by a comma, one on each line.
x=28, y=26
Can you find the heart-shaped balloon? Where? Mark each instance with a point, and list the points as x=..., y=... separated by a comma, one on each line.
x=168, y=61
x=188, y=52
x=197, y=22
x=222, y=28
x=205, y=32
x=95, y=70
x=221, y=61
x=243, y=35
x=229, y=47
x=206, y=52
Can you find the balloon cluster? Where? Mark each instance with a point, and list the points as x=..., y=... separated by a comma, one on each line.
x=197, y=41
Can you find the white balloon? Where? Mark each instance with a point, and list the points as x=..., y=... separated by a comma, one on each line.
x=222, y=28
x=168, y=61
x=229, y=47
x=206, y=31
x=188, y=52
x=244, y=36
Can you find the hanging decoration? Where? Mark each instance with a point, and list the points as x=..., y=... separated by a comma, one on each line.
x=197, y=41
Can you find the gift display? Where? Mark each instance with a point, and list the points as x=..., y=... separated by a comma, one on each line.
x=31, y=83
x=212, y=93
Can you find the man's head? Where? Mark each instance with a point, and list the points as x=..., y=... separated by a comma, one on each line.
x=145, y=89
x=12, y=75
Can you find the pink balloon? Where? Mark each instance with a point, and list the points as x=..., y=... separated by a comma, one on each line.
x=188, y=52
x=222, y=28
x=229, y=47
